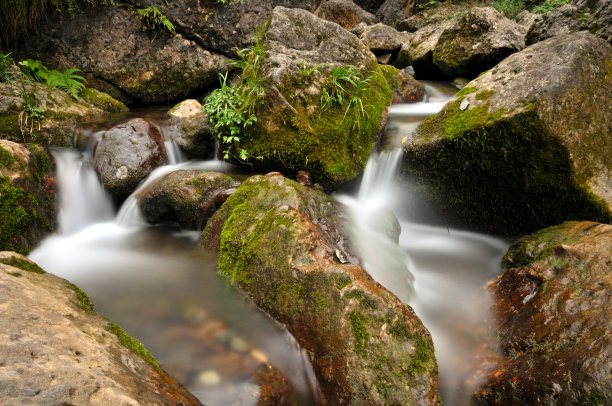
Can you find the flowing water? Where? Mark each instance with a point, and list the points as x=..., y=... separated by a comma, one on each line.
x=144, y=279
x=442, y=273
x=205, y=334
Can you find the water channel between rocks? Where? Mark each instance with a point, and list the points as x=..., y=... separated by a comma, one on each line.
x=210, y=339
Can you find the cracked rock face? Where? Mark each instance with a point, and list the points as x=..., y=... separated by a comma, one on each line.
x=53, y=352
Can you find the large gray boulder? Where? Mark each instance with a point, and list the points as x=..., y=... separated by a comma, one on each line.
x=56, y=351
x=283, y=244
x=294, y=129
x=183, y=199
x=592, y=15
x=554, y=319
x=478, y=41
x=527, y=144
x=188, y=127
x=27, y=196
x=109, y=44
x=128, y=153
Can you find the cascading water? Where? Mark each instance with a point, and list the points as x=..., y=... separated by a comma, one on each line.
x=440, y=272
x=144, y=279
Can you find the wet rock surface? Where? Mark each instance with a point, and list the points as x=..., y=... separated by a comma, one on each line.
x=553, y=308
x=281, y=242
x=27, y=196
x=128, y=153
x=188, y=127
x=51, y=340
x=183, y=199
x=404, y=87
x=110, y=44
x=525, y=145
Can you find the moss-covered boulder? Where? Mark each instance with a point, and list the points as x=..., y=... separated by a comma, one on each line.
x=282, y=243
x=128, y=153
x=527, y=144
x=60, y=112
x=27, y=196
x=184, y=199
x=381, y=38
x=188, y=127
x=554, y=316
x=56, y=351
x=302, y=124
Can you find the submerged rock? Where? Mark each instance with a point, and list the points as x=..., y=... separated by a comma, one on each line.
x=527, y=144
x=61, y=113
x=189, y=129
x=592, y=15
x=345, y=13
x=56, y=351
x=27, y=196
x=128, y=153
x=300, y=126
x=554, y=311
x=282, y=243
x=184, y=199
x=110, y=44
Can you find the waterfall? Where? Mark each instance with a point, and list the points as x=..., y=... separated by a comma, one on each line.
x=83, y=200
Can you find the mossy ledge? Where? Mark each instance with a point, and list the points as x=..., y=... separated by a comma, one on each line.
x=135, y=346
x=498, y=171
x=83, y=300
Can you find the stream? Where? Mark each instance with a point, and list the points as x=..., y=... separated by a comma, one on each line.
x=206, y=335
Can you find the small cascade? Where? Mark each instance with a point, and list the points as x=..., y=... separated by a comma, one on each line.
x=83, y=200
x=174, y=153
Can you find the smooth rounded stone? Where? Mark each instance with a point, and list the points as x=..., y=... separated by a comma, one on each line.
x=554, y=319
x=478, y=41
x=56, y=351
x=592, y=15
x=403, y=85
x=526, y=145
x=280, y=241
x=27, y=196
x=109, y=44
x=62, y=113
x=380, y=37
x=183, y=199
x=293, y=131
x=345, y=13
x=188, y=127
x=128, y=153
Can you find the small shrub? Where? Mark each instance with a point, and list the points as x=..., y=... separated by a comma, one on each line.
x=31, y=115
x=152, y=19
x=549, y=5
x=510, y=8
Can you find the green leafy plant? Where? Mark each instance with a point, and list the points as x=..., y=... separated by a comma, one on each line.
x=429, y=4
x=306, y=73
x=510, y=8
x=29, y=118
x=152, y=19
x=67, y=81
x=549, y=5
x=5, y=67
x=346, y=82
x=231, y=109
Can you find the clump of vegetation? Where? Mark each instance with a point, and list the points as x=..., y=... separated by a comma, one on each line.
x=29, y=118
x=6, y=62
x=232, y=109
x=511, y=8
x=67, y=81
x=346, y=84
x=152, y=19
x=134, y=345
x=23, y=264
x=85, y=302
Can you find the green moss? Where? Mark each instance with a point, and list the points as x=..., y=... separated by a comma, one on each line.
x=366, y=301
x=594, y=398
x=360, y=332
x=102, y=101
x=9, y=127
x=134, y=345
x=485, y=94
x=466, y=90
x=342, y=281
x=15, y=274
x=83, y=300
x=6, y=158
x=24, y=264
